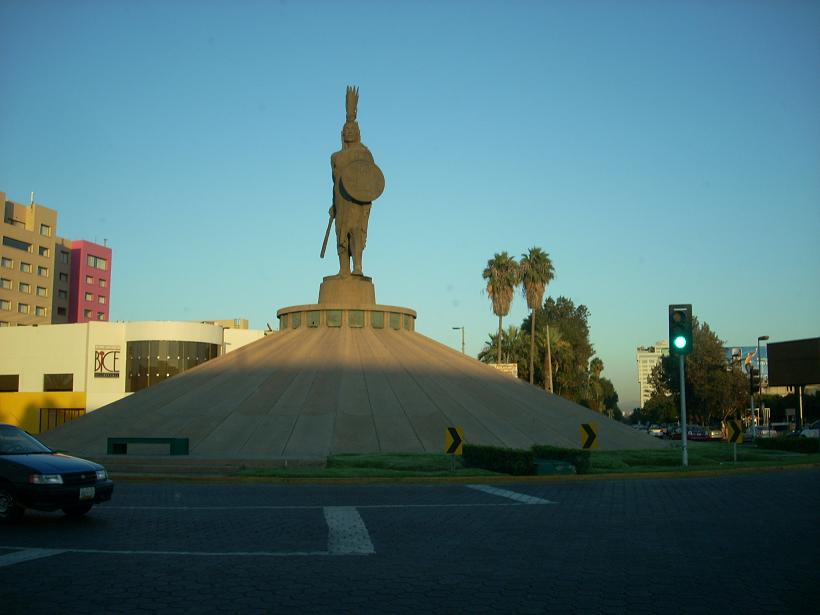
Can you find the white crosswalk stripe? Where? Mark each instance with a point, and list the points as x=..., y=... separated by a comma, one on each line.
x=512, y=495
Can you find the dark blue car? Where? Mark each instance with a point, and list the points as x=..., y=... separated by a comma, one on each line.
x=33, y=476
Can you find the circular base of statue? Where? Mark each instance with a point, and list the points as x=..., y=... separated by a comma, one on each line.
x=347, y=316
x=347, y=290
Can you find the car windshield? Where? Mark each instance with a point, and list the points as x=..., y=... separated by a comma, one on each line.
x=14, y=441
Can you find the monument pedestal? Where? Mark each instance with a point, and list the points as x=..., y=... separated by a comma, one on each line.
x=347, y=290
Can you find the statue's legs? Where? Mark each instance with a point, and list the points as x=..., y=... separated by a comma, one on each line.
x=344, y=261
x=356, y=251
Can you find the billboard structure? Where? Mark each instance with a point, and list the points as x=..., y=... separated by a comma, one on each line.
x=795, y=363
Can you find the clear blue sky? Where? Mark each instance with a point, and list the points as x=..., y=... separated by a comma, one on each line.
x=627, y=139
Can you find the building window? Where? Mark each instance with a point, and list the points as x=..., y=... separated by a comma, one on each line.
x=9, y=383
x=87, y=314
x=395, y=321
x=58, y=382
x=100, y=316
x=283, y=322
x=334, y=318
x=61, y=311
x=89, y=279
x=313, y=318
x=5, y=283
x=43, y=251
x=377, y=320
x=25, y=287
x=11, y=242
x=296, y=319
x=63, y=277
x=42, y=291
x=52, y=417
x=62, y=294
x=96, y=262
x=89, y=297
x=23, y=308
x=7, y=262
x=45, y=230
x=102, y=283
x=63, y=257
x=101, y=299
x=40, y=311
x=43, y=271
x=25, y=267
x=4, y=323
x=5, y=304
x=355, y=318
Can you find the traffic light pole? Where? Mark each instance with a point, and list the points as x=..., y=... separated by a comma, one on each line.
x=681, y=359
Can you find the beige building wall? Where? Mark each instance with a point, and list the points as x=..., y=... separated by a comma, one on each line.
x=28, y=245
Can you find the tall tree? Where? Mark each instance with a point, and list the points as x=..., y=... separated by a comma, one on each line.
x=715, y=388
x=536, y=272
x=503, y=274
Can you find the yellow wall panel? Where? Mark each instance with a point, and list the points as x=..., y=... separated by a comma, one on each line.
x=23, y=409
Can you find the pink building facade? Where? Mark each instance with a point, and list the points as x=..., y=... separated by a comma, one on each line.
x=90, y=294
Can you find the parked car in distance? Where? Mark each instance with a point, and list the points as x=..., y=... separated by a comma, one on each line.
x=655, y=430
x=36, y=477
x=696, y=432
x=759, y=431
x=715, y=433
x=812, y=430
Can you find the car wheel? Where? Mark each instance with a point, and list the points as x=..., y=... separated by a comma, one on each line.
x=77, y=510
x=9, y=509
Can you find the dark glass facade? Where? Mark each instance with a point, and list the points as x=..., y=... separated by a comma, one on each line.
x=151, y=361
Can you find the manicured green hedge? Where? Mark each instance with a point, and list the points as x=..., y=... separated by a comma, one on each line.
x=577, y=457
x=794, y=445
x=497, y=459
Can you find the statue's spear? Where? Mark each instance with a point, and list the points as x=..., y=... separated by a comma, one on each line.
x=327, y=232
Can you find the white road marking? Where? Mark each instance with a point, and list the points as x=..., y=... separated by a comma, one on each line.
x=9, y=559
x=513, y=495
x=304, y=507
x=347, y=534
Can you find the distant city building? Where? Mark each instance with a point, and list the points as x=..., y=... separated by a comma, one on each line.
x=46, y=279
x=648, y=357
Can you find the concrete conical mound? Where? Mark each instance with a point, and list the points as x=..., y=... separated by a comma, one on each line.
x=311, y=392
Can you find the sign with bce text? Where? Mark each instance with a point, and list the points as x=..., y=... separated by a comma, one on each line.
x=106, y=361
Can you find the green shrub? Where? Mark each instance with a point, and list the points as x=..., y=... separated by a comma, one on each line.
x=793, y=445
x=507, y=460
x=577, y=457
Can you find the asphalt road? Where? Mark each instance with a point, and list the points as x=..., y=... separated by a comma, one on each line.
x=745, y=544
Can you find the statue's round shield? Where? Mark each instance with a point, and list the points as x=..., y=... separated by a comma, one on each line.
x=363, y=180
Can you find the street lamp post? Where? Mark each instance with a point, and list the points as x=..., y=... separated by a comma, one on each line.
x=760, y=338
x=462, y=338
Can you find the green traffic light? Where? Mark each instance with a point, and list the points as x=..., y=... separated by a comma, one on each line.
x=680, y=342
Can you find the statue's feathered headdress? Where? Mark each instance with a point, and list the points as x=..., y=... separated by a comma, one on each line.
x=351, y=102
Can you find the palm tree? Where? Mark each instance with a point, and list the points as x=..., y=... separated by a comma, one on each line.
x=596, y=366
x=536, y=272
x=503, y=275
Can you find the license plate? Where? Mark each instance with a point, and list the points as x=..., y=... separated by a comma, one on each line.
x=86, y=493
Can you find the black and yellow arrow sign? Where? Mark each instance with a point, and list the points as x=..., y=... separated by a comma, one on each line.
x=734, y=432
x=589, y=435
x=454, y=441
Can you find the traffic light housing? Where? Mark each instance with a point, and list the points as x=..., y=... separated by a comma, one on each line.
x=680, y=329
x=754, y=381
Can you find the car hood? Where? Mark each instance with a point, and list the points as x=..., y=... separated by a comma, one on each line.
x=54, y=463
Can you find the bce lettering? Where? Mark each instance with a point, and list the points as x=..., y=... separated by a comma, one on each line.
x=106, y=363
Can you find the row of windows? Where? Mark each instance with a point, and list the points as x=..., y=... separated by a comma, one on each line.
x=24, y=267
x=23, y=287
x=90, y=297
x=152, y=361
x=23, y=308
x=96, y=262
x=10, y=383
x=89, y=279
x=355, y=319
x=89, y=315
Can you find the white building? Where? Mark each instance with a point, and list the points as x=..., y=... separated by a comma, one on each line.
x=648, y=357
x=53, y=373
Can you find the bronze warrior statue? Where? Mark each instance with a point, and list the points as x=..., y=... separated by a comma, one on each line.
x=357, y=182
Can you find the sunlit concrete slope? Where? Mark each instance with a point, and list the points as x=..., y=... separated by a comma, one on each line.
x=312, y=392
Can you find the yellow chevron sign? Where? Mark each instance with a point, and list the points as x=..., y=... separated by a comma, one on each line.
x=454, y=441
x=734, y=431
x=589, y=435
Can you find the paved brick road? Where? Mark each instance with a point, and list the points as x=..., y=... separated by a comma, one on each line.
x=745, y=544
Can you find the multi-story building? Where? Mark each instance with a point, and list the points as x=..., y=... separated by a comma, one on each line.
x=90, y=294
x=45, y=279
x=648, y=357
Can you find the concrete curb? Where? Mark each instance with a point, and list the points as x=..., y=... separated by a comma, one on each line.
x=455, y=480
